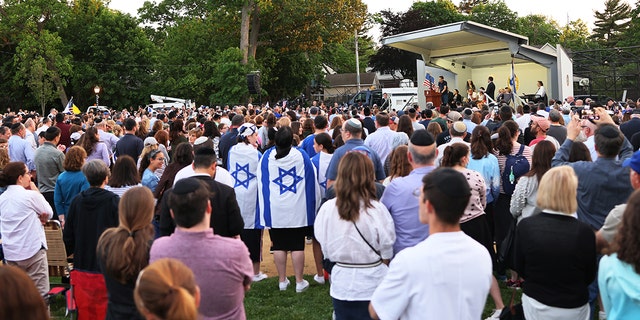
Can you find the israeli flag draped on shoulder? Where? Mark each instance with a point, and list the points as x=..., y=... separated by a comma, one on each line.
x=288, y=193
x=242, y=163
x=321, y=163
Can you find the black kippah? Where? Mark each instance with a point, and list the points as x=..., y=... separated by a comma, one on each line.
x=448, y=181
x=422, y=138
x=609, y=131
x=186, y=186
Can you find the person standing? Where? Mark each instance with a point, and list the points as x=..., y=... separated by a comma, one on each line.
x=222, y=266
x=491, y=89
x=434, y=280
x=91, y=212
x=49, y=164
x=22, y=212
x=130, y=144
x=444, y=90
x=19, y=148
x=230, y=138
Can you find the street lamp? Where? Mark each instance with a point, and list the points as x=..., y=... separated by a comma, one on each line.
x=96, y=90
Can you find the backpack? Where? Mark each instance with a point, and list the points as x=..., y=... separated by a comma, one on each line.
x=515, y=166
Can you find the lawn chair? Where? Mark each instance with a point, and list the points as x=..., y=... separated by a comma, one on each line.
x=59, y=265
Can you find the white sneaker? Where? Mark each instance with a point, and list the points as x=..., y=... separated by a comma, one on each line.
x=495, y=315
x=259, y=277
x=318, y=278
x=302, y=286
x=284, y=284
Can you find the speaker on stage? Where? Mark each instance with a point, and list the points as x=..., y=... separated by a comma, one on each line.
x=253, y=83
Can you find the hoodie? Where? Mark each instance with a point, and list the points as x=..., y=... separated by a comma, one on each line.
x=91, y=212
x=620, y=288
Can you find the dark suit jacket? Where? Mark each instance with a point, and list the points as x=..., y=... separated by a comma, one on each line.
x=491, y=90
x=226, y=219
x=369, y=124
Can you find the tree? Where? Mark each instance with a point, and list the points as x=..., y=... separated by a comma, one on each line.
x=539, y=29
x=466, y=6
x=494, y=14
x=631, y=35
x=421, y=15
x=575, y=35
x=611, y=22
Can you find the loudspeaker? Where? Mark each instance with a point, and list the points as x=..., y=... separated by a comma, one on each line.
x=253, y=83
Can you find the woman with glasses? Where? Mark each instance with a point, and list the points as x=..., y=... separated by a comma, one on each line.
x=22, y=211
x=152, y=162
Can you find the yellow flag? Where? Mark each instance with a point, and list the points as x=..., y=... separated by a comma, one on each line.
x=75, y=109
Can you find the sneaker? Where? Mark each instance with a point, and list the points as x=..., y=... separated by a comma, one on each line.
x=318, y=279
x=284, y=284
x=602, y=315
x=259, y=277
x=308, y=240
x=495, y=315
x=302, y=286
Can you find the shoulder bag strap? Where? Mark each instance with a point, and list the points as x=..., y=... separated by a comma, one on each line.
x=365, y=240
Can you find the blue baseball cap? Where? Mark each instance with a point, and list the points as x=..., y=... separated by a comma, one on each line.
x=633, y=162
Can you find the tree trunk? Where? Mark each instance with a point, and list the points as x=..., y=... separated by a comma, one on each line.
x=57, y=81
x=244, y=30
x=255, y=30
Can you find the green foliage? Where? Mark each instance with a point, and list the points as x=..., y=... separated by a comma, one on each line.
x=341, y=58
x=631, y=35
x=228, y=80
x=539, y=29
x=494, y=14
x=575, y=35
x=466, y=6
x=421, y=15
x=611, y=22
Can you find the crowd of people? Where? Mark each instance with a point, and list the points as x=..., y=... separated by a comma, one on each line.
x=413, y=214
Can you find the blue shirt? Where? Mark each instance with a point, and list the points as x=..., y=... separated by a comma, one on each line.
x=618, y=283
x=68, y=185
x=20, y=150
x=490, y=171
x=149, y=180
x=332, y=171
x=399, y=199
x=227, y=141
x=602, y=184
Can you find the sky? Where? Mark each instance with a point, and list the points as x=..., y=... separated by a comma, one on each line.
x=558, y=10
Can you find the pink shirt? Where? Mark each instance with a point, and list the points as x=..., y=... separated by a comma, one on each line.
x=221, y=265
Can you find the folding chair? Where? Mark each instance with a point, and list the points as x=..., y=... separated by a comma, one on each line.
x=58, y=261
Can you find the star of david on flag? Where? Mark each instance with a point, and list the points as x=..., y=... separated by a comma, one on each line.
x=237, y=175
x=280, y=180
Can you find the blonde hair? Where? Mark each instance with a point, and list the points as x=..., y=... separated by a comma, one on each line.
x=167, y=288
x=558, y=189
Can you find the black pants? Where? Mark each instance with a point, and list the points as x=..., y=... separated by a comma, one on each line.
x=49, y=197
x=502, y=219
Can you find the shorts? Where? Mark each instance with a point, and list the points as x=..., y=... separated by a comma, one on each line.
x=288, y=239
x=252, y=238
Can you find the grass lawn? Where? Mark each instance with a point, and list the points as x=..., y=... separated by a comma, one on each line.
x=264, y=301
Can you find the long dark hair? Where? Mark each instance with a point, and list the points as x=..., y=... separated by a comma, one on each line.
x=453, y=154
x=210, y=129
x=124, y=173
x=507, y=131
x=480, y=142
x=125, y=249
x=175, y=130
x=89, y=140
x=541, y=159
x=324, y=140
x=283, y=141
x=354, y=185
x=405, y=125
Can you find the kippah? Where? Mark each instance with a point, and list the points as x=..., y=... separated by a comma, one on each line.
x=459, y=127
x=200, y=140
x=448, y=181
x=354, y=123
x=205, y=152
x=15, y=125
x=97, y=120
x=186, y=186
x=52, y=130
x=609, y=131
x=422, y=138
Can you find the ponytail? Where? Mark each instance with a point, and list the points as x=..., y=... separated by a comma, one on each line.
x=182, y=304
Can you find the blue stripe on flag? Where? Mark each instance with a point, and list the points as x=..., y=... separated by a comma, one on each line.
x=310, y=190
x=265, y=187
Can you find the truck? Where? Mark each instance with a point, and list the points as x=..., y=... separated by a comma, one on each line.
x=165, y=103
x=399, y=98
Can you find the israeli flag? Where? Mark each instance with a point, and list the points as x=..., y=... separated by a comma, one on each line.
x=321, y=163
x=289, y=194
x=242, y=163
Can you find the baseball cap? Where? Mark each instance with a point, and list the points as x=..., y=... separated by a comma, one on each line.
x=150, y=141
x=543, y=123
x=633, y=162
x=454, y=116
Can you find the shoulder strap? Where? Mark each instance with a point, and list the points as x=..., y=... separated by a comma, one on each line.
x=365, y=240
x=521, y=150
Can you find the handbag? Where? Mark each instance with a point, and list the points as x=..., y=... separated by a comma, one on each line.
x=506, y=254
x=512, y=312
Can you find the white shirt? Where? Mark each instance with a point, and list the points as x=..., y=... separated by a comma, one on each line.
x=383, y=141
x=523, y=121
x=446, y=276
x=222, y=175
x=341, y=243
x=20, y=226
x=540, y=92
x=591, y=145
